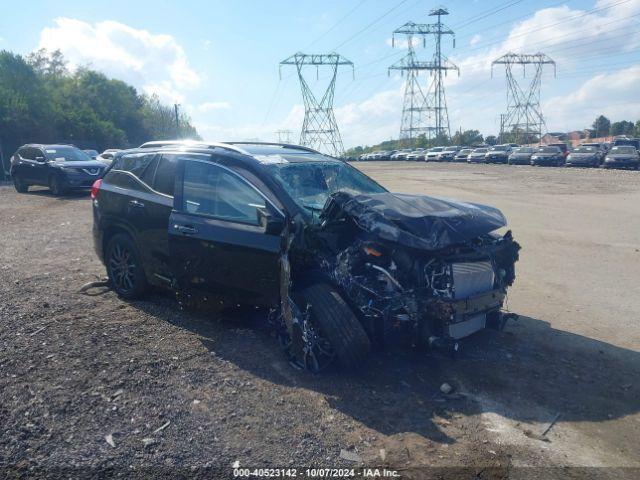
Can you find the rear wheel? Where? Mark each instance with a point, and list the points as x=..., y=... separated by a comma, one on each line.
x=124, y=268
x=327, y=331
x=55, y=186
x=20, y=185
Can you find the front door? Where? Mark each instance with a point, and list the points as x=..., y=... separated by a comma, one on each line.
x=216, y=243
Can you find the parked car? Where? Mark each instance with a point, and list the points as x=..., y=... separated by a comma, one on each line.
x=477, y=155
x=521, y=156
x=400, y=154
x=448, y=154
x=498, y=154
x=387, y=155
x=622, y=156
x=564, y=148
x=462, y=155
x=59, y=167
x=585, y=156
x=92, y=153
x=432, y=154
x=415, y=155
x=339, y=261
x=548, y=155
x=106, y=157
x=622, y=141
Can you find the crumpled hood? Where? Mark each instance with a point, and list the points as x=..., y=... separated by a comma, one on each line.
x=415, y=221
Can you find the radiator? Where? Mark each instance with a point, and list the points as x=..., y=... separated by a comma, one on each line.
x=471, y=278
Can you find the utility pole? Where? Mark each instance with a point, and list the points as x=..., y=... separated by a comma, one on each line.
x=424, y=114
x=319, y=128
x=524, y=116
x=175, y=107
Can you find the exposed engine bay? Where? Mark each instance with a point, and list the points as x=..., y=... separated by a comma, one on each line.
x=429, y=268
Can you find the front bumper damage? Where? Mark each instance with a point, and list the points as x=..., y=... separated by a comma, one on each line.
x=418, y=268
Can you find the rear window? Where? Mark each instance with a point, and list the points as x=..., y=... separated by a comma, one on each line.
x=548, y=150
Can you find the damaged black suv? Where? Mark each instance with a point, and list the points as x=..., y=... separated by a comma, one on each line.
x=339, y=262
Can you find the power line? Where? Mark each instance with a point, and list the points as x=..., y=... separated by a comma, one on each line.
x=344, y=17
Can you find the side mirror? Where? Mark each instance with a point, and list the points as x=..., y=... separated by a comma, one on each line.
x=272, y=224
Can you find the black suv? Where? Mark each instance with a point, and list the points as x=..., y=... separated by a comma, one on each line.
x=59, y=167
x=337, y=260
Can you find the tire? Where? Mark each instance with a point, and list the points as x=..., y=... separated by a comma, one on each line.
x=124, y=267
x=338, y=324
x=55, y=186
x=20, y=185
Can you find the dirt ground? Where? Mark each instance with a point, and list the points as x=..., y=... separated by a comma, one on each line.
x=91, y=385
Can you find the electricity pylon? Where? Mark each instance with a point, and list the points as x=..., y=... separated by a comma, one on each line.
x=424, y=114
x=523, y=119
x=284, y=136
x=319, y=128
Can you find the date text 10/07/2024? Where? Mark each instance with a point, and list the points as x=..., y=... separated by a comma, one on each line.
x=316, y=473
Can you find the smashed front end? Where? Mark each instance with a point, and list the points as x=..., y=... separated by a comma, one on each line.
x=432, y=269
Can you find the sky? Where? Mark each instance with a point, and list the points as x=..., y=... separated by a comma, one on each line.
x=220, y=59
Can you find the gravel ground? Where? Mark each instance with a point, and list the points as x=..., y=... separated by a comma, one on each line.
x=91, y=385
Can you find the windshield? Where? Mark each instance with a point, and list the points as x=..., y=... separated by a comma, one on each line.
x=480, y=150
x=548, y=150
x=465, y=150
x=69, y=154
x=585, y=150
x=450, y=149
x=625, y=150
x=524, y=150
x=310, y=183
x=499, y=148
x=437, y=149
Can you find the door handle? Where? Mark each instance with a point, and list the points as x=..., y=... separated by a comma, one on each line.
x=136, y=203
x=186, y=229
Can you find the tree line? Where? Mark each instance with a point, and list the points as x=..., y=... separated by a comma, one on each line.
x=43, y=101
x=602, y=127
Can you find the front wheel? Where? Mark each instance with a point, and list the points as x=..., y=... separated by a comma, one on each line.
x=20, y=185
x=124, y=267
x=327, y=331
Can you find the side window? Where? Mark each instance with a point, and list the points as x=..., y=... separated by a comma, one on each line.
x=28, y=153
x=150, y=171
x=211, y=190
x=164, y=181
x=136, y=163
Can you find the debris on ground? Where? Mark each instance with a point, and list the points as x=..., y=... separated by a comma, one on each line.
x=159, y=429
x=109, y=439
x=553, y=422
x=350, y=456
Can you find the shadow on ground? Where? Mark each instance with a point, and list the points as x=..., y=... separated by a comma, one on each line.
x=530, y=371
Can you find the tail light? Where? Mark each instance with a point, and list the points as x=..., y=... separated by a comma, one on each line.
x=95, y=187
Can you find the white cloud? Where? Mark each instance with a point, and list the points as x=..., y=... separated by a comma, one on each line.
x=154, y=62
x=475, y=39
x=615, y=95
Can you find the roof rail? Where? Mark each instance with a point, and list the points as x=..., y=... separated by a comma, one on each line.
x=287, y=145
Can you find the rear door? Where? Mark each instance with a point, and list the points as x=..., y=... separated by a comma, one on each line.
x=215, y=240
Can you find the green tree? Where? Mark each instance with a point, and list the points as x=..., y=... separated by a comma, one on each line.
x=491, y=140
x=637, y=129
x=42, y=101
x=602, y=126
x=467, y=138
x=623, y=127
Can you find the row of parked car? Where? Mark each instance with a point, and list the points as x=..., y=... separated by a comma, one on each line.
x=63, y=167
x=621, y=153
